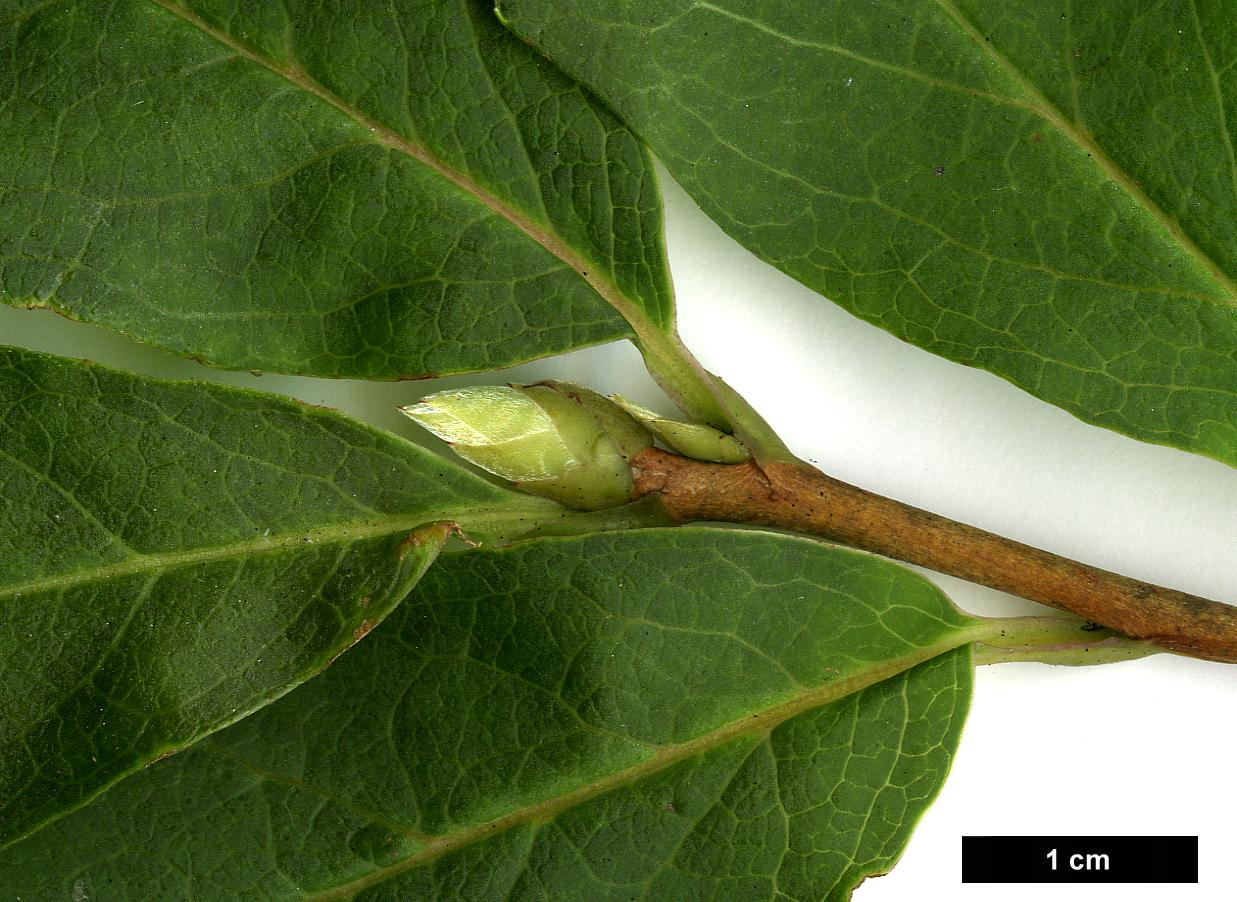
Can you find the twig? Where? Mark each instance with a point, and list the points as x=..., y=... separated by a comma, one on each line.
x=795, y=496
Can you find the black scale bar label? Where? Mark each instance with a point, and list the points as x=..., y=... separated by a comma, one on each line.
x=1080, y=859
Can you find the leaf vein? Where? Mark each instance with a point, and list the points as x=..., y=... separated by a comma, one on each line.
x=159, y=562
x=670, y=755
x=1088, y=145
x=211, y=747
x=867, y=60
x=628, y=308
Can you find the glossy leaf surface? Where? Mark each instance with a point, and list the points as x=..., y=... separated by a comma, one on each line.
x=1044, y=190
x=174, y=555
x=341, y=189
x=682, y=714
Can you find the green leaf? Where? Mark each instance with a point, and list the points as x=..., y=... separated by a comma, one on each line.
x=375, y=190
x=1045, y=190
x=695, y=713
x=175, y=555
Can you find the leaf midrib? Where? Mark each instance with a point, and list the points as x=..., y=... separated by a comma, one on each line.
x=666, y=756
x=627, y=308
x=154, y=562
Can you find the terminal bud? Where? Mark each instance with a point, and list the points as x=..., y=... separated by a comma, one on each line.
x=543, y=438
x=627, y=433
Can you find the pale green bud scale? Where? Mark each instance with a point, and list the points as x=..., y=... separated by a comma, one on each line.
x=544, y=442
x=693, y=440
x=497, y=428
x=630, y=437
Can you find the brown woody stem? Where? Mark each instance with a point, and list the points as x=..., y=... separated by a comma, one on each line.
x=797, y=497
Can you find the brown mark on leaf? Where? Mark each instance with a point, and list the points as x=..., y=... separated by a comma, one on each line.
x=866, y=877
x=363, y=629
x=435, y=533
x=419, y=377
x=168, y=754
x=558, y=387
x=939, y=170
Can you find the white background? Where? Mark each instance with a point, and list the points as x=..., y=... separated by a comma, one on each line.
x=1144, y=747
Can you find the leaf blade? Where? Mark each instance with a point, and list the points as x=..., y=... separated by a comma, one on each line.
x=289, y=207
x=174, y=555
x=914, y=162
x=527, y=687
